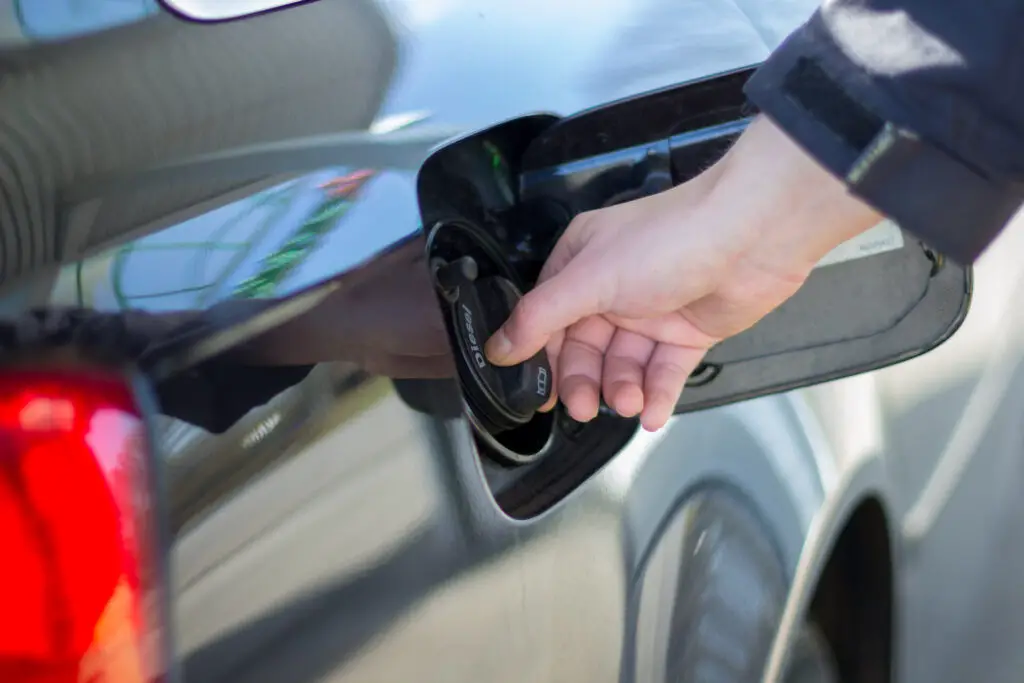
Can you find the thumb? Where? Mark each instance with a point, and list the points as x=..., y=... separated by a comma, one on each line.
x=552, y=306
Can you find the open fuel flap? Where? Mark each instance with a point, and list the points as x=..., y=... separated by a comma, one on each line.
x=494, y=204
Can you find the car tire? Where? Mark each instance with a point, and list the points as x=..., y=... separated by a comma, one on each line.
x=811, y=659
x=711, y=598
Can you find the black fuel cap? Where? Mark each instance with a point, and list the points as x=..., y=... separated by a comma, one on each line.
x=500, y=398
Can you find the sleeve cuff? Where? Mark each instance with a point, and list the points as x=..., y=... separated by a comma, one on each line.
x=937, y=197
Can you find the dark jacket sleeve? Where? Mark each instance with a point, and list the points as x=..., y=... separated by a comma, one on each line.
x=917, y=104
x=213, y=394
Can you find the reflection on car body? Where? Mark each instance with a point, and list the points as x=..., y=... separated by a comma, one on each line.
x=236, y=217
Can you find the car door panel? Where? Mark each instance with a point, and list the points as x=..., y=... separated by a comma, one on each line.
x=402, y=564
x=333, y=514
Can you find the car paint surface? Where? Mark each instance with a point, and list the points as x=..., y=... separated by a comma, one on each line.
x=336, y=533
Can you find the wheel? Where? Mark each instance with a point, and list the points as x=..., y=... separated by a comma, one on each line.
x=710, y=599
x=811, y=659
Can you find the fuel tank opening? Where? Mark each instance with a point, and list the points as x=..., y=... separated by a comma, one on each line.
x=488, y=237
x=478, y=289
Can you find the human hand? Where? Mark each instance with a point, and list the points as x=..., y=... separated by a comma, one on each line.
x=634, y=295
x=393, y=325
x=382, y=316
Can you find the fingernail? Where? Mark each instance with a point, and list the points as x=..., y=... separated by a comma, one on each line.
x=627, y=399
x=498, y=347
x=651, y=421
x=582, y=415
x=549, y=406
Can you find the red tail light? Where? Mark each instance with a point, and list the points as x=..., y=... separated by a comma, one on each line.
x=77, y=546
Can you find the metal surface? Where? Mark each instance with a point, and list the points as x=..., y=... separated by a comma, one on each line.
x=333, y=530
x=208, y=10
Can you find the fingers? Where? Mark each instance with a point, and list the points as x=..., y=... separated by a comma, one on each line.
x=636, y=375
x=580, y=364
x=554, y=350
x=554, y=305
x=664, y=379
x=622, y=380
x=675, y=328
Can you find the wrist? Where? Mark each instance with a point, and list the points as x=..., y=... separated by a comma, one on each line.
x=787, y=200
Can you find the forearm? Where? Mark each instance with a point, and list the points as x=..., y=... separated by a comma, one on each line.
x=945, y=71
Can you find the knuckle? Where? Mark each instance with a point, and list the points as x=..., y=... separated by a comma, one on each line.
x=583, y=348
x=582, y=224
x=583, y=218
x=623, y=366
x=668, y=374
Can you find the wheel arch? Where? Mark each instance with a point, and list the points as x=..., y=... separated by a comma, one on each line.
x=846, y=576
x=853, y=600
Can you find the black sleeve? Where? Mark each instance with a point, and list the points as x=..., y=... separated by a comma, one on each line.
x=917, y=104
x=218, y=393
x=213, y=395
x=220, y=390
